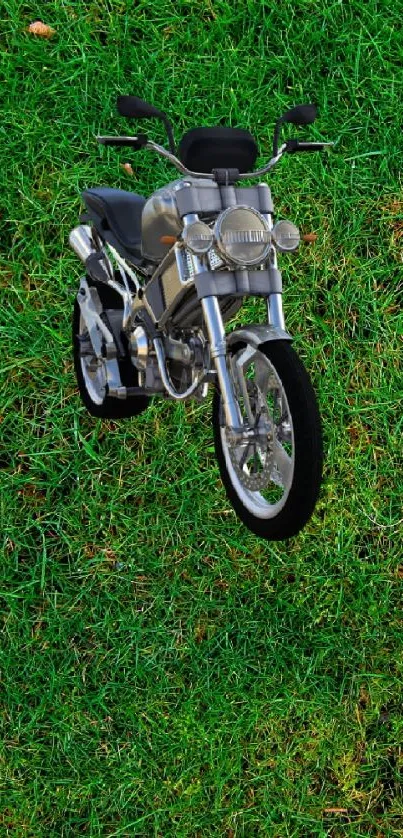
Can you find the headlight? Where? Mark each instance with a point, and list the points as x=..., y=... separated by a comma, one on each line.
x=242, y=235
x=285, y=236
x=198, y=237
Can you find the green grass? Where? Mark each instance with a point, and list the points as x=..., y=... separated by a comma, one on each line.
x=163, y=672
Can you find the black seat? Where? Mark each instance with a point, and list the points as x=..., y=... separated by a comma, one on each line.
x=118, y=211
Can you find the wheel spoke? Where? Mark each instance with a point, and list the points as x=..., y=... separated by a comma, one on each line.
x=245, y=356
x=92, y=367
x=262, y=375
x=255, y=460
x=243, y=360
x=244, y=456
x=283, y=465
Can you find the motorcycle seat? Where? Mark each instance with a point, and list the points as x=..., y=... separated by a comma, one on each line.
x=118, y=211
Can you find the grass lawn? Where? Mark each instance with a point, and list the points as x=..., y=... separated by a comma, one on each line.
x=164, y=672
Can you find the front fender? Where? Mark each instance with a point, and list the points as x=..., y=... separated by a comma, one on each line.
x=256, y=334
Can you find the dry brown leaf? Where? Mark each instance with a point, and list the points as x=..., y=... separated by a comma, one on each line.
x=222, y=584
x=41, y=29
x=128, y=168
x=37, y=627
x=200, y=633
x=310, y=238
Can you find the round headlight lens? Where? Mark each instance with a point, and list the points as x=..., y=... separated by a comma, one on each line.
x=243, y=235
x=198, y=237
x=285, y=236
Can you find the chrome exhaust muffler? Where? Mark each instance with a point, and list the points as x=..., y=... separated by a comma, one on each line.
x=80, y=240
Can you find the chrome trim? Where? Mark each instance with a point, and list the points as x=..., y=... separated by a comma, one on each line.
x=185, y=273
x=159, y=351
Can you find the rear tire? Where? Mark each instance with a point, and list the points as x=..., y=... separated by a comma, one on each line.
x=108, y=408
x=285, y=518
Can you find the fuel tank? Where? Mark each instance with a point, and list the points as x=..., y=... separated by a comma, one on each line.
x=160, y=217
x=162, y=213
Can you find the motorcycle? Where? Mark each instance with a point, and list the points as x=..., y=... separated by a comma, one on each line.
x=163, y=277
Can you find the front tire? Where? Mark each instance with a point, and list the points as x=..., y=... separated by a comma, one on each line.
x=91, y=381
x=273, y=480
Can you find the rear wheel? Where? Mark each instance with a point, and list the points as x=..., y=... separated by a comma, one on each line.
x=272, y=470
x=90, y=371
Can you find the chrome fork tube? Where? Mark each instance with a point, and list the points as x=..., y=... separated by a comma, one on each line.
x=275, y=316
x=218, y=348
x=275, y=311
x=218, y=344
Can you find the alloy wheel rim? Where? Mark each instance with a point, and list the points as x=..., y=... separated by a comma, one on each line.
x=277, y=458
x=93, y=370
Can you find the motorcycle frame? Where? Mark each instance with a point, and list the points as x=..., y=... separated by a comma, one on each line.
x=148, y=302
x=213, y=320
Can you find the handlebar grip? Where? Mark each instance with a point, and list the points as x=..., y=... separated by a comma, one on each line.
x=132, y=142
x=294, y=146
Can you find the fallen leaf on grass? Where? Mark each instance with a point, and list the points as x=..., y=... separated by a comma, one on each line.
x=309, y=238
x=41, y=29
x=200, y=633
x=128, y=168
x=222, y=584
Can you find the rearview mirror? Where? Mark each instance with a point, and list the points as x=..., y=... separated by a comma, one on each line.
x=132, y=106
x=300, y=115
x=136, y=108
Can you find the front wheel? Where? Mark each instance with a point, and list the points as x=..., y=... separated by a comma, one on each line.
x=272, y=467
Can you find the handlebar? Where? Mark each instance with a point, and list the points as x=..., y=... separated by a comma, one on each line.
x=142, y=141
x=133, y=142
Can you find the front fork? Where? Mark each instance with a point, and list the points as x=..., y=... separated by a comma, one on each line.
x=216, y=333
x=218, y=348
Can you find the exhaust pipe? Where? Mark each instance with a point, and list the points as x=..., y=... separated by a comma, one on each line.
x=100, y=268
x=81, y=242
